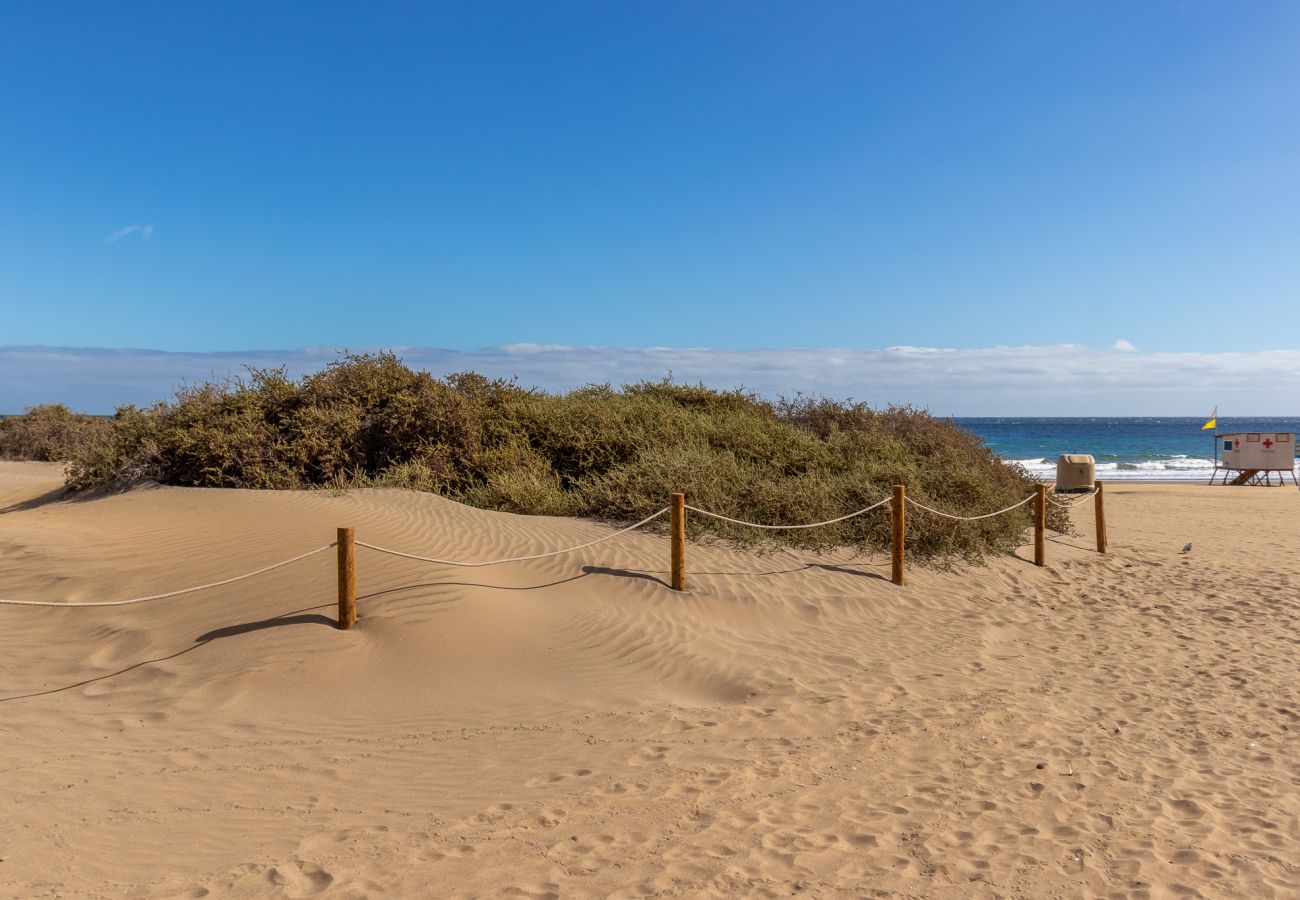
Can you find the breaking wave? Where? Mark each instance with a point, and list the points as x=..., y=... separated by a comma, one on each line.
x=1171, y=468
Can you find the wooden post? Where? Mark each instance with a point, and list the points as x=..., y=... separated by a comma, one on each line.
x=347, y=578
x=679, y=542
x=900, y=529
x=1100, y=510
x=1040, y=523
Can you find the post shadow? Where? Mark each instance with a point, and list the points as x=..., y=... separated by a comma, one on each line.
x=844, y=570
x=274, y=622
x=829, y=567
x=624, y=573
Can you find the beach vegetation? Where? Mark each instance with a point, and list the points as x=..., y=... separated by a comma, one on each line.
x=50, y=433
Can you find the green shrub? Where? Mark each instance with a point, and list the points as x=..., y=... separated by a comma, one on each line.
x=599, y=451
x=50, y=433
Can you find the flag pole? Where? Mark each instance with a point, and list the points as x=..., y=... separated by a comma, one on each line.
x=1214, y=436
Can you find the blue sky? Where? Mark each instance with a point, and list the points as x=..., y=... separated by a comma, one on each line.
x=213, y=177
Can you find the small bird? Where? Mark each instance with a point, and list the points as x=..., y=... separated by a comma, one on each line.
x=1187, y=549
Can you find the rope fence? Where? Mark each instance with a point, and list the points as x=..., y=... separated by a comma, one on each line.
x=939, y=512
x=511, y=559
x=1070, y=504
x=188, y=590
x=347, y=544
x=720, y=516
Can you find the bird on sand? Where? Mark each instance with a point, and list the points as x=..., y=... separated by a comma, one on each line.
x=1187, y=549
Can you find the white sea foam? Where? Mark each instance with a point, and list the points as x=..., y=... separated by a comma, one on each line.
x=1173, y=468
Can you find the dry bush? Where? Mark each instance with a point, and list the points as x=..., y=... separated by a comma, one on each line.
x=50, y=433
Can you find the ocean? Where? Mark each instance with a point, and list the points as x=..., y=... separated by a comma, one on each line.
x=1135, y=449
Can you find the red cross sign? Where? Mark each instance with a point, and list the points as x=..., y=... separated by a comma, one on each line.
x=1268, y=442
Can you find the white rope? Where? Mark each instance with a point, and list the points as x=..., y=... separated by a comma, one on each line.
x=713, y=515
x=1070, y=504
x=969, y=518
x=188, y=590
x=497, y=562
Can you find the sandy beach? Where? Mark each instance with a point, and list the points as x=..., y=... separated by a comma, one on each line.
x=1122, y=725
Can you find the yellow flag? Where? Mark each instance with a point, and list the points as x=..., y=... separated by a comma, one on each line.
x=1214, y=420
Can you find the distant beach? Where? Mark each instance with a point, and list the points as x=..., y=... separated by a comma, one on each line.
x=1126, y=449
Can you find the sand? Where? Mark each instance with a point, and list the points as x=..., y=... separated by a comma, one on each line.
x=1121, y=726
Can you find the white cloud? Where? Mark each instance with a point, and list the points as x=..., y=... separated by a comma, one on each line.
x=144, y=231
x=1123, y=346
x=1062, y=379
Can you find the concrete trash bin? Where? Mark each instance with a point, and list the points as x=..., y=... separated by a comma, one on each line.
x=1075, y=473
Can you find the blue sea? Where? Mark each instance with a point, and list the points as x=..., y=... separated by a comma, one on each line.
x=1136, y=449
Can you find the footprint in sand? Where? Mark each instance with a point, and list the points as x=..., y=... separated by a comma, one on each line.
x=299, y=879
x=493, y=814
x=551, y=817
x=459, y=851
x=1186, y=809
x=557, y=777
x=647, y=756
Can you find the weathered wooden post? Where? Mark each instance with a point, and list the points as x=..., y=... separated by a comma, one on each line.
x=1040, y=524
x=678, y=529
x=347, y=578
x=900, y=523
x=1100, y=510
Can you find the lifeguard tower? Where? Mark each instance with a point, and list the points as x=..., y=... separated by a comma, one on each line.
x=1252, y=457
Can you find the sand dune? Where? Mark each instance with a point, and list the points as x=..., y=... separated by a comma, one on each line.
x=1121, y=726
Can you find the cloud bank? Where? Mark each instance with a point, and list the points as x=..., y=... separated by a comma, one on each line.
x=1060, y=380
